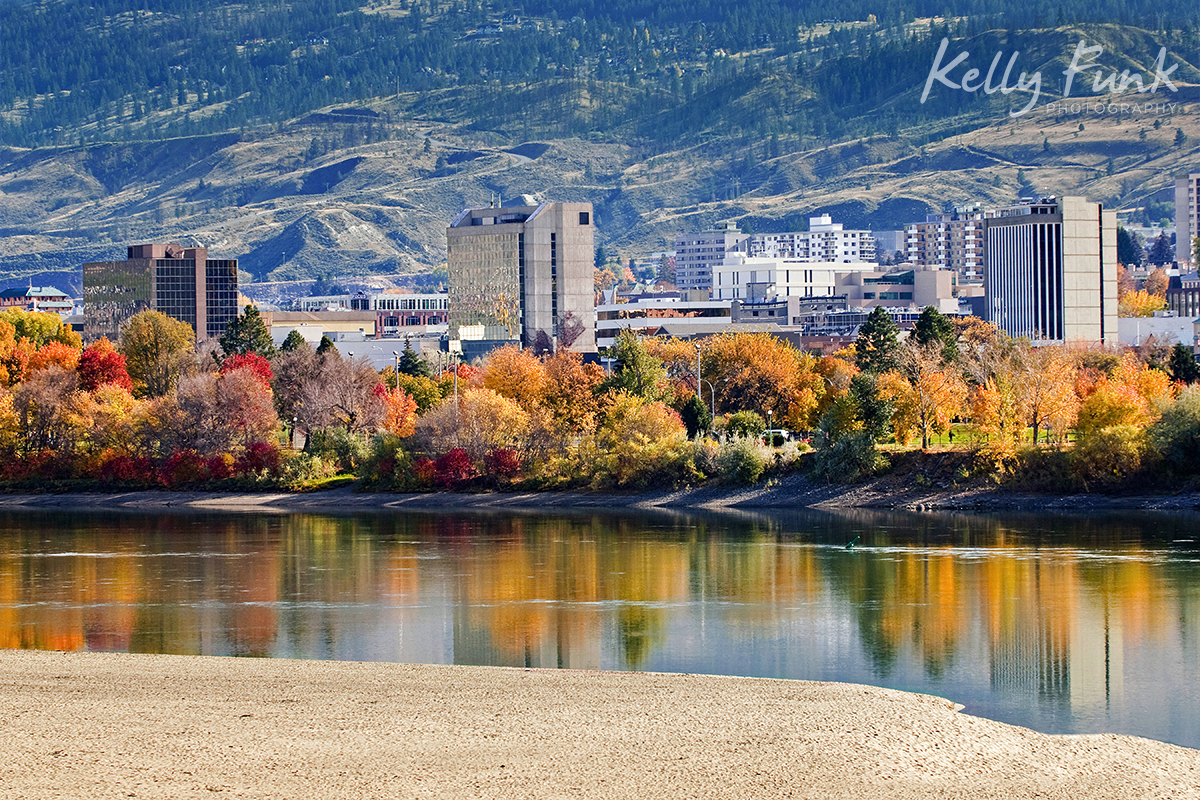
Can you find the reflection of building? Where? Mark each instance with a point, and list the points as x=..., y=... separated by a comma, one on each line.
x=184, y=284
x=1050, y=271
x=523, y=272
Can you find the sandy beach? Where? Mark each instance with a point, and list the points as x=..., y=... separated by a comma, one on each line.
x=117, y=725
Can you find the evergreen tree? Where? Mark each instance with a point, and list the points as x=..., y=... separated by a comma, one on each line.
x=294, y=341
x=325, y=346
x=934, y=326
x=695, y=416
x=1182, y=364
x=874, y=412
x=1129, y=250
x=876, y=345
x=247, y=334
x=1162, y=252
x=412, y=364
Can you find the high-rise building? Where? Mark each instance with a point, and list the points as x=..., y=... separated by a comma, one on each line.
x=697, y=254
x=183, y=283
x=953, y=241
x=1050, y=270
x=523, y=273
x=1187, y=215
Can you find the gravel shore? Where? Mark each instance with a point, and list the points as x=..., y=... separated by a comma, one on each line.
x=119, y=725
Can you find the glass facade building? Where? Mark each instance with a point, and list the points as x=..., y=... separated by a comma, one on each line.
x=182, y=283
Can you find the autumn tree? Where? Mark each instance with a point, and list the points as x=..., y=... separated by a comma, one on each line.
x=53, y=353
x=937, y=392
x=156, y=349
x=1140, y=304
x=399, y=413
x=1156, y=283
x=342, y=393
x=40, y=328
x=759, y=372
x=100, y=364
x=480, y=421
x=570, y=394
x=43, y=408
x=517, y=373
x=1046, y=390
x=875, y=348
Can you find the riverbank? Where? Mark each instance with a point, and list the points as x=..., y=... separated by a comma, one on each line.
x=789, y=492
x=96, y=725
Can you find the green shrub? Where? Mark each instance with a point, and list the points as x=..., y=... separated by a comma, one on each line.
x=299, y=469
x=743, y=458
x=1175, y=438
x=849, y=458
x=1108, y=455
x=337, y=445
x=745, y=423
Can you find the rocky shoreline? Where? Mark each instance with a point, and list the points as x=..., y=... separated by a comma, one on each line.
x=790, y=492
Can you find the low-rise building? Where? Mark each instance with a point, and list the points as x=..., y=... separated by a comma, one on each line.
x=680, y=314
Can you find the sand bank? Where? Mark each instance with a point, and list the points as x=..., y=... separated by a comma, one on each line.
x=107, y=725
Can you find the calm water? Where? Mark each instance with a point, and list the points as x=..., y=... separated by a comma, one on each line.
x=1062, y=624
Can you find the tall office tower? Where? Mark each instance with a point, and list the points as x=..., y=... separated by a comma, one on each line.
x=1050, y=271
x=183, y=283
x=1187, y=213
x=952, y=241
x=523, y=273
x=696, y=254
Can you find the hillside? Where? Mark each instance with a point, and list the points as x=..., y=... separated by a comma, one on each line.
x=828, y=121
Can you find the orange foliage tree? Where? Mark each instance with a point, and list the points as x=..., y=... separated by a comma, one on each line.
x=399, y=412
x=759, y=372
x=101, y=364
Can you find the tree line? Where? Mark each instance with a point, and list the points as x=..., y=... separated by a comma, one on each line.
x=153, y=409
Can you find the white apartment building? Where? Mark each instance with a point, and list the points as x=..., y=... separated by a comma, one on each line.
x=745, y=277
x=951, y=241
x=680, y=314
x=697, y=253
x=1051, y=271
x=1187, y=215
x=825, y=240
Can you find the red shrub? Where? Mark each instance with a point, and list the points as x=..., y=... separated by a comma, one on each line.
x=219, y=467
x=259, y=456
x=181, y=468
x=424, y=470
x=502, y=462
x=454, y=468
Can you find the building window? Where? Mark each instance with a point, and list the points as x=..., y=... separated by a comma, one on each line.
x=584, y=218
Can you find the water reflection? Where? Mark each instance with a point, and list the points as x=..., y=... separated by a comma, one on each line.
x=1059, y=623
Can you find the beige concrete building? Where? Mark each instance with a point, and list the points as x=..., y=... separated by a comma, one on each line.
x=523, y=273
x=1187, y=214
x=1050, y=271
x=953, y=240
x=912, y=288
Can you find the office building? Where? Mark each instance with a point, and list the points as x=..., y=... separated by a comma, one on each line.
x=1050, y=271
x=183, y=283
x=757, y=278
x=523, y=273
x=1187, y=215
x=953, y=241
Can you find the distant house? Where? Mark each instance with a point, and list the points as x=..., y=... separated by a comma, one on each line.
x=37, y=298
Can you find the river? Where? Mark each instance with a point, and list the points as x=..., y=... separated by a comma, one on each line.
x=1061, y=623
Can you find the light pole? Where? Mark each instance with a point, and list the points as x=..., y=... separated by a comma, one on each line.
x=712, y=389
x=770, y=427
x=397, y=375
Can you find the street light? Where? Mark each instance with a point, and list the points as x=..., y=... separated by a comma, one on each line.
x=714, y=397
x=770, y=427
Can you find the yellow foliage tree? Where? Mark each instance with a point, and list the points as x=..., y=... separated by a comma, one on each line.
x=939, y=390
x=516, y=373
x=759, y=372
x=1140, y=303
x=1046, y=389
